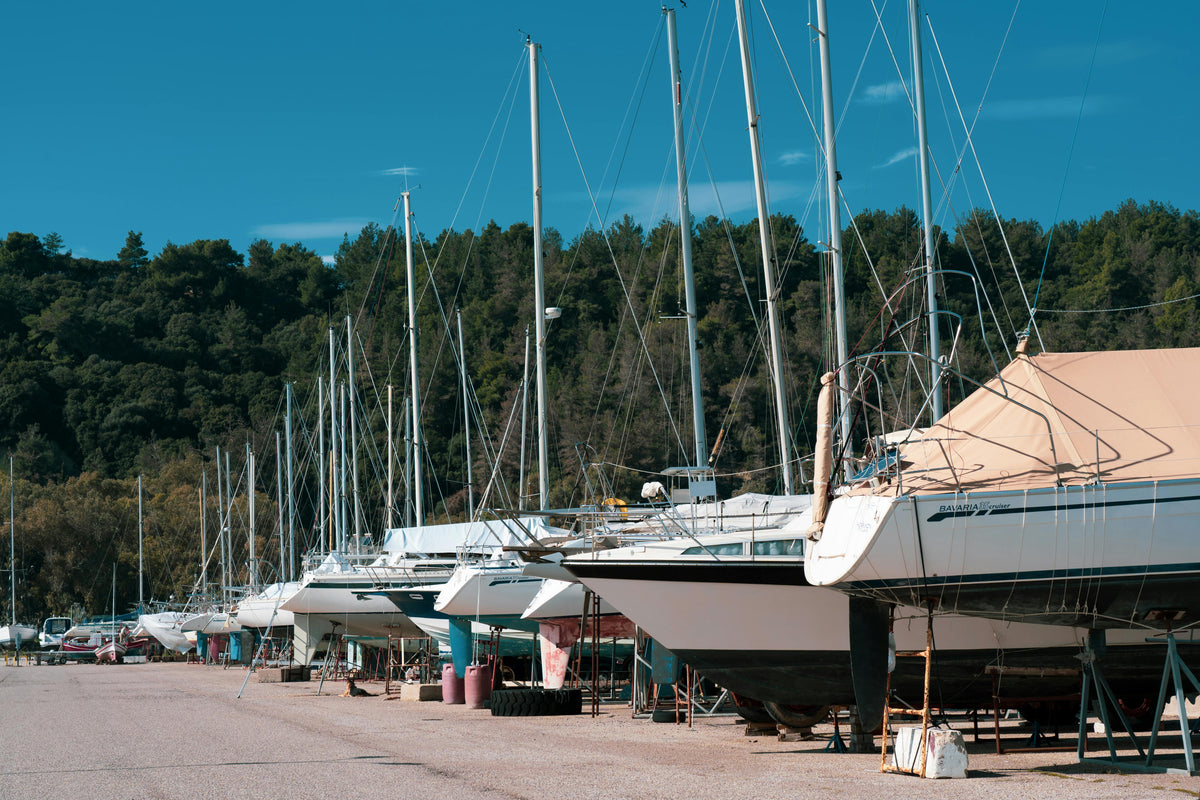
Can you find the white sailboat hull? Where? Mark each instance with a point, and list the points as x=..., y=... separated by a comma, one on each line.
x=482, y=590
x=18, y=636
x=1121, y=555
x=264, y=610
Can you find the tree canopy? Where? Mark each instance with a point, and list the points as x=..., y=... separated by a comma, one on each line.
x=145, y=365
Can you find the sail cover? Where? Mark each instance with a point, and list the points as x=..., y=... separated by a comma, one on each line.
x=1070, y=418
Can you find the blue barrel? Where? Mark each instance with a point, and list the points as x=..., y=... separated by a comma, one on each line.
x=477, y=686
x=452, y=686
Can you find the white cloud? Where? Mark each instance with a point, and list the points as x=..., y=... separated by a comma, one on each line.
x=903, y=155
x=328, y=261
x=881, y=93
x=406, y=172
x=299, y=231
x=794, y=157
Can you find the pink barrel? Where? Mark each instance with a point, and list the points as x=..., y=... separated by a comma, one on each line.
x=452, y=686
x=477, y=686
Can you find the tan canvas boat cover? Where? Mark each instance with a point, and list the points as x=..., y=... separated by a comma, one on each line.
x=1125, y=415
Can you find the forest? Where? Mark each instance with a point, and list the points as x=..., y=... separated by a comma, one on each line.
x=146, y=366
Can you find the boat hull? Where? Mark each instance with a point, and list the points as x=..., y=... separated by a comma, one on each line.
x=1116, y=556
x=18, y=636
x=760, y=630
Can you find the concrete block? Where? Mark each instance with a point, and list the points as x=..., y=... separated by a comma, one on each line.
x=284, y=674
x=421, y=691
x=945, y=752
x=790, y=734
x=761, y=729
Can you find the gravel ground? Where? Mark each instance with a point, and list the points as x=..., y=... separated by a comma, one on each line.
x=180, y=731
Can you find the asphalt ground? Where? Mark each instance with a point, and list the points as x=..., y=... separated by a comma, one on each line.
x=176, y=730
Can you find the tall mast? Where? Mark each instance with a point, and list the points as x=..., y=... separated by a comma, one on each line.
x=12, y=541
x=685, y=242
x=228, y=530
x=389, y=503
x=343, y=455
x=280, y=506
x=250, y=472
x=204, y=534
x=221, y=524
x=418, y=487
x=352, y=390
x=524, y=415
x=539, y=280
x=140, y=563
x=322, y=497
x=764, y=233
x=290, y=571
x=462, y=367
x=334, y=532
x=835, y=219
x=408, y=459
x=926, y=209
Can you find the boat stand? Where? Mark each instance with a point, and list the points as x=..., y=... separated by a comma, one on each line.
x=923, y=712
x=836, y=743
x=1096, y=687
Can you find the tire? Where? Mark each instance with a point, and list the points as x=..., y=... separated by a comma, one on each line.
x=796, y=716
x=668, y=715
x=752, y=711
x=536, y=702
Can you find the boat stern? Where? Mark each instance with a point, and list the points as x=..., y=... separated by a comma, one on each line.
x=839, y=556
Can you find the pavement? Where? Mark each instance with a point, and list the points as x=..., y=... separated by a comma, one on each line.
x=175, y=730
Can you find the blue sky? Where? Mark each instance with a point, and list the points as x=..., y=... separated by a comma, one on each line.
x=304, y=121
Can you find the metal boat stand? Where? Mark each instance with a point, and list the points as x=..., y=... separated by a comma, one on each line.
x=1095, y=687
x=924, y=712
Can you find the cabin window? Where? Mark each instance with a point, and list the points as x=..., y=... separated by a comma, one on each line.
x=779, y=547
x=730, y=549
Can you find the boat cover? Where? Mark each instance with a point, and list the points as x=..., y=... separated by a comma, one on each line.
x=1120, y=416
x=452, y=538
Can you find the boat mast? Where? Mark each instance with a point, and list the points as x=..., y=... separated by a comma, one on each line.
x=418, y=486
x=221, y=523
x=352, y=390
x=462, y=366
x=835, y=221
x=764, y=234
x=250, y=465
x=389, y=503
x=279, y=495
x=524, y=417
x=335, y=542
x=139, y=543
x=322, y=498
x=926, y=210
x=539, y=280
x=685, y=242
x=12, y=542
x=204, y=534
x=291, y=508
x=408, y=449
x=228, y=531
x=343, y=455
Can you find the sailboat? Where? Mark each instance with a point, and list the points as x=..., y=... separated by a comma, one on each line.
x=14, y=635
x=1065, y=490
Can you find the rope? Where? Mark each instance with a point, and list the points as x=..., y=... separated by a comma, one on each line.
x=1124, y=308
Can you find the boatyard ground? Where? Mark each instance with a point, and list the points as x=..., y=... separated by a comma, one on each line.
x=178, y=730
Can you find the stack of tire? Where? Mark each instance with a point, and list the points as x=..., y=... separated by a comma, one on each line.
x=536, y=702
